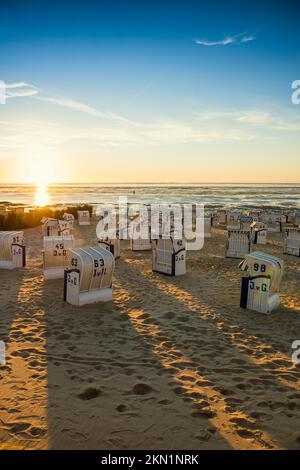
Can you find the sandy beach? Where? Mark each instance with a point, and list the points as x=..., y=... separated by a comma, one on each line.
x=171, y=363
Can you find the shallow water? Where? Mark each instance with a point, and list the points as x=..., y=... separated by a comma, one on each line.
x=211, y=195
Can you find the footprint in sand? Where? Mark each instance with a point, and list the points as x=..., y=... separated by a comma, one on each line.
x=121, y=408
x=89, y=393
x=142, y=389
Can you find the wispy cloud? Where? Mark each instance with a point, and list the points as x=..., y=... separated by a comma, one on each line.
x=23, y=89
x=71, y=104
x=85, y=108
x=227, y=40
x=17, y=135
x=257, y=118
x=248, y=38
x=19, y=89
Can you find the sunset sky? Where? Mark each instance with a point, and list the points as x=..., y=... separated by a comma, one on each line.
x=125, y=91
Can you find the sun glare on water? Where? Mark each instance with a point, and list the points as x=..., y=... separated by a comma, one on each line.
x=41, y=195
x=43, y=168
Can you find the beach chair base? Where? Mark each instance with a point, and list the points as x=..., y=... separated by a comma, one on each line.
x=255, y=295
x=292, y=251
x=91, y=297
x=135, y=246
x=7, y=265
x=54, y=273
x=236, y=254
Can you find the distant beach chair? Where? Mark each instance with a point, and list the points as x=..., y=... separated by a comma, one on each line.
x=70, y=219
x=259, y=233
x=111, y=244
x=12, y=250
x=274, y=221
x=55, y=227
x=84, y=217
x=221, y=217
x=88, y=278
x=297, y=218
x=260, y=287
x=255, y=214
x=140, y=244
x=238, y=243
x=50, y=227
x=55, y=259
x=169, y=256
x=233, y=220
x=65, y=227
x=245, y=222
x=291, y=243
x=207, y=226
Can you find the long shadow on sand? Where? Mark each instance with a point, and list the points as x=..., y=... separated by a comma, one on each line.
x=107, y=388
x=10, y=282
x=221, y=354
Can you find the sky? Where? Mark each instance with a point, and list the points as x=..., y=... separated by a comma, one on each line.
x=140, y=91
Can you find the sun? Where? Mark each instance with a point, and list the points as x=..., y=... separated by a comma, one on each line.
x=43, y=167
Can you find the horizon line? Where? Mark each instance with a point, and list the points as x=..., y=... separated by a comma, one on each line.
x=145, y=183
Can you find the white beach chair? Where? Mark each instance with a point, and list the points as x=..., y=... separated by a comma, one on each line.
x=50, y=227
x=88, y=278
x=291, y=243
x=297, y=218
x=274, y=221
x=260, y=287
x=84, y=217
x=259, y=233
x=169, y=256
x=245, y=222
x=233, y=220
x=221, y=217
x=64, y=227
x=70, y=219
x=55, y=259
x=141, y=244
x=12, y=250
x=238, y=243
x=207, y=226
x=55, y=227
x=137, y=243
x=111, y=244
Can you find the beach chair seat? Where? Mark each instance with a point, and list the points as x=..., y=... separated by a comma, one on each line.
x=88, y=277
x=12, y=250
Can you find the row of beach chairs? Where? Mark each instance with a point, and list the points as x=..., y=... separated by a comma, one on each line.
x=88, y=272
